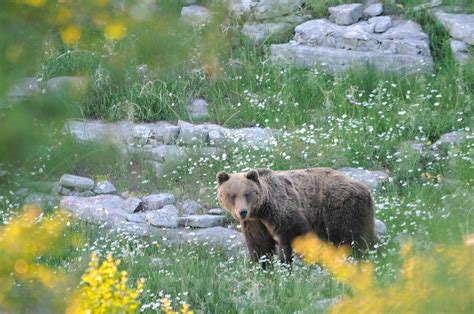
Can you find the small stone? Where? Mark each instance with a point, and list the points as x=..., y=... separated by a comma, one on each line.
x=167, y=217
x=75, y=182
x=381, y=23
x=373, y=10
x=141, y=134
x=105, y=187
x=380, y=229
x=346, y=14
x=132, y=205
x=200, y=221
x=157, y=201
x=170, y=134
x=136, y=218
x=191, y=207
x=197, y=109
x=196, y=15
x=215, y=211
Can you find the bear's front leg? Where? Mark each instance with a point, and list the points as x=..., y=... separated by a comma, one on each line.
x=285, y=253
x=260, y=242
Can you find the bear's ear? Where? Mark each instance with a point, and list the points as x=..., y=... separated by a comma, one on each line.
x=252, y=175
x=222, y=177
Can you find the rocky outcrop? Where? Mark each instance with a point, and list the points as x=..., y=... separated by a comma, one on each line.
x=388, y=45
x=461, y=29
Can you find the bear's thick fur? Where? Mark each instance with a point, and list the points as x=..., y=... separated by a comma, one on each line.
x=274, y=207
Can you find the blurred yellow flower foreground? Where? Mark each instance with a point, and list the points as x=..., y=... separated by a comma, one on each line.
x=441, y=281
x=22, y=240
x=105, y=289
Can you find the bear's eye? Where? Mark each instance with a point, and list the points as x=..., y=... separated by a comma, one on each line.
x=247, y=195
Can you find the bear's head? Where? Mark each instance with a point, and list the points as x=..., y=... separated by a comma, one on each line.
x=240, y=193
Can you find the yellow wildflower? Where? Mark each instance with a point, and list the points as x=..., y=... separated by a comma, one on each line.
x=115, y=31
x=71, y=34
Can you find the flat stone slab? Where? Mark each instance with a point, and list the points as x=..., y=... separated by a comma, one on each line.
x=200, y=221
x=25, y=87
x=373, y=179
x=167, y=217
x=77, y=183
x=338, y=60
x=96, y=209
x=265, y=9
x=215, y=211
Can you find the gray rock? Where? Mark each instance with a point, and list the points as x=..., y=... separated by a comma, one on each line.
x=190, y=134
x=133, y=228
x=338, y=60
x=197, y=109
x=258, y=33
x=167, y=217
x=191, y=207
x=200, y=221
x=413, y=146
x=215, y=211
x=63, y=83
x=136, y=218
x=153, y=143
x=265, y=9
x=132, y=205
x=240, y=8
x=380, y=229
x=25, y=87
x=381, y=23
x=77, y=183
x=404, y=38
x=171, y=133
x=428, y=5
x=105, y=187
x=460, y=51
x=251, y=137
x=460, y=26
x=373, y=179
x=118, y=132
x=217, y=237
x=41, y=200
x=373, y=10
x=141, y=134
x=96, y=209
x=157, y=201
x=196, y=15
x=451, y=138
x=346, y=14
x=165, y=153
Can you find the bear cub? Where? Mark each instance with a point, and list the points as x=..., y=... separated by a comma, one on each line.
x=274, y=207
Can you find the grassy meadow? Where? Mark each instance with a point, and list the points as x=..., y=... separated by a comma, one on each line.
x=362, y=118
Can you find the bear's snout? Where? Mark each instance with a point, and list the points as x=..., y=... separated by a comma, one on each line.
x=243, y=213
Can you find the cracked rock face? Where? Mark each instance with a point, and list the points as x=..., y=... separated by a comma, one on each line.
x=395, y=46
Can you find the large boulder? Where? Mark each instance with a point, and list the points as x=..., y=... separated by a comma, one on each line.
x=166, y=217
x=96, y=209
x=154, y=202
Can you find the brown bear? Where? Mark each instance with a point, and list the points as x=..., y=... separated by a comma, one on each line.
x=274, y=207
